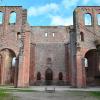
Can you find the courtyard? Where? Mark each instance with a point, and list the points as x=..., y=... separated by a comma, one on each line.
x=69, y=95
x=48, y=93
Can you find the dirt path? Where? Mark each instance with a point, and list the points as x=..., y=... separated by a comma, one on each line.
x=53, y=96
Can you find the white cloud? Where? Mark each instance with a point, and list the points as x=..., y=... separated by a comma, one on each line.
x=58, y=20
x=35, y=11
x=69, y=3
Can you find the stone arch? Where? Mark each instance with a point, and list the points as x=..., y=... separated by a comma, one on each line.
x=12, y=19
x=92, y=70
x=87, y=19
x=8, y=70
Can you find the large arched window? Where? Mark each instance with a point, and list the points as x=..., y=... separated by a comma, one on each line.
x=12, y=19
x=1, y=17
x=98, y=19
x=87, y=19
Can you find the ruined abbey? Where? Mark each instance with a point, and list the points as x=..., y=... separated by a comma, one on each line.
x=49, y=55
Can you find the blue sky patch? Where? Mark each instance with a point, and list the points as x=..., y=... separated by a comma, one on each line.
x=50, y=12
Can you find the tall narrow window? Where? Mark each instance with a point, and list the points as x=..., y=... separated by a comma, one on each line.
x=38, y=76
x=46, y=34
x=14, y=61
x=81, y=36
x=12, y=19
x=53, y=34
x=85, y=62
x=18, y=35
x=1, y=17
x=98, y=19
x=88, y=19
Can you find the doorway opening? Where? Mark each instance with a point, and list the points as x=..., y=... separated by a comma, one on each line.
x=48, y=76
x=7, y=66
x=92, y=69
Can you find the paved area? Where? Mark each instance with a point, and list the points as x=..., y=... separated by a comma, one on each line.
x=63, y=88
x=69, y=95
x=55, y=88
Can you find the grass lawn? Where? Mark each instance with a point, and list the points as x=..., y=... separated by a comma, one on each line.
x=95, y=94
x=6, y=96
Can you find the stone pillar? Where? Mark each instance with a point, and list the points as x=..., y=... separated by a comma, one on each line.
x=99, y=63
x=5, y=79
x=73, y=57
x=67, y=63
x=32, y=63
x=24, y=61
x=81, y=78
x=0, y=69
x=16, y=73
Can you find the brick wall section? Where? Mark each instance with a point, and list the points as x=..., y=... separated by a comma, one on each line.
x=24, y=65
x=32, y=63
x=68, y=60
x=61, y=34
x=8, y=32
x=91, y=33
x=67, y=63
x=55, y=51
x=80, y=75
x=50, y=47
x=73, y=56
x=0, y=68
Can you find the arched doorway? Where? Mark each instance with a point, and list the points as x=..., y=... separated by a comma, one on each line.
x=48, y=76
x=60, y=76
x=7, y=66
x=38, y=76
x=92, y=70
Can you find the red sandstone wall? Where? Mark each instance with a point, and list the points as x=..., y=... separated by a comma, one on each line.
x=32, y=64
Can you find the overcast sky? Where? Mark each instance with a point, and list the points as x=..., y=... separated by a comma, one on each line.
x=50, y=12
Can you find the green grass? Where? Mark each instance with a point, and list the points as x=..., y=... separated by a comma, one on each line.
x=95, y=94
x=4, y=95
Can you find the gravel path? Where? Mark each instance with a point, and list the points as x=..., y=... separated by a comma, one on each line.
x=65, y=95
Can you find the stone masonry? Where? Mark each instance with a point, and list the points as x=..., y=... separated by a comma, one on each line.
x=50, y=55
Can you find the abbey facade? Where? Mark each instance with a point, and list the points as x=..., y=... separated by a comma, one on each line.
x=49, y=55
